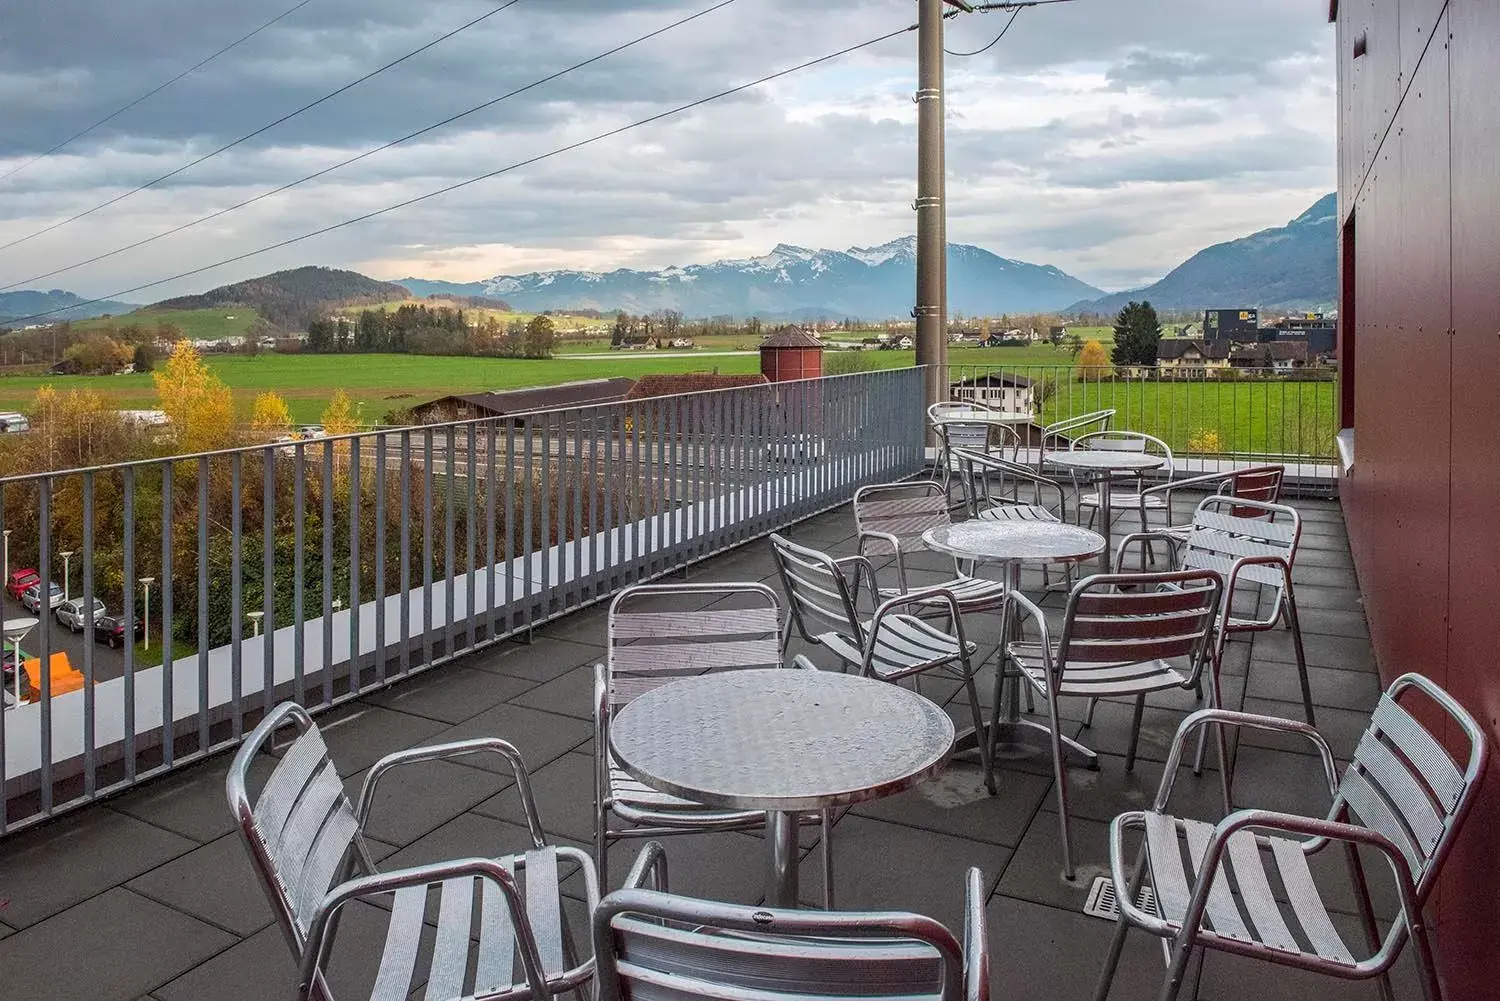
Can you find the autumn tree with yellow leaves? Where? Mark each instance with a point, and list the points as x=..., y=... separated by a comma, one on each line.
x=269, y=415
x=1092, y=360
x=339, y=417
x=197, y=402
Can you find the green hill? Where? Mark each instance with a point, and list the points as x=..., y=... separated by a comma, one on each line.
x=289, y=299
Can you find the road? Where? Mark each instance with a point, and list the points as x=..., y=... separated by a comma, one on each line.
x=107, y=663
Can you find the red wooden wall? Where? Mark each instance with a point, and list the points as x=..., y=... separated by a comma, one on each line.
x=789, y=364
x=1419, y=198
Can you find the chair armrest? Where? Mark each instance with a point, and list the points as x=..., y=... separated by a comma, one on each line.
x=1227, y=717
x=1249, y=561
x=921, y=594
x=456, y=749
x=650, y=869
x=1202, y=479
x=889, y=539
x=976, y=939
x=321, y=927
x=862, y=567
x=1140, y=537
x=1029, y=609
x=801, y=663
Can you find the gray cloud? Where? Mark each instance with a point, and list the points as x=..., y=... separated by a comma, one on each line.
x=1072, y=141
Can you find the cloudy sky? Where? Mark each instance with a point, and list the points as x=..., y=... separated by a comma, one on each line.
x=1110, y=138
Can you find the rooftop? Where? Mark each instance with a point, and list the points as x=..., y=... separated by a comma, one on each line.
x=149, y=894
x=792, y=337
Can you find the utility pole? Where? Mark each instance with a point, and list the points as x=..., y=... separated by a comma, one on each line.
x=932, y=228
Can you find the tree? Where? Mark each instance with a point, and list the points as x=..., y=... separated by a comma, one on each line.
x=197, y=403
x=537, y=342
x=1093, y=356
x=621, y=329
x=1137, y=335
x=1075, y=345
x=144, y=359
x=339, y=416
x=269, y=414
x=99, y=354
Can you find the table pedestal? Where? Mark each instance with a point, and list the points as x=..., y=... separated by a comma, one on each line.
x=781, y=871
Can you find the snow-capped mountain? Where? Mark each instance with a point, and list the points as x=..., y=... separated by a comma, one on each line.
x=868, y=282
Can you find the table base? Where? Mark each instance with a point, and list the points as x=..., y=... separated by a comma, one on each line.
x=782, y=849
x=1017, y=739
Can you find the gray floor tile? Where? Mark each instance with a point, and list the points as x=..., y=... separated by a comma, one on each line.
x=1045, y=953
x=883, y=866
x=415, y=799
x=450, y=694
x=1355, y=690
x=1345, y=598
x=542, y=659
x=564, y=794
x=358, y=735
x=6, y=930
x=1035, y=871
x=572, y=694
x=721, y=866
x=539, y=736
x=469, y=835
x=1341, y=728
x=1344, y=653
x=53, y=867
x=956, y=803
x=1104, y=794
x=1333, y=622
x=1228, y=978
x=215, y=883
x=113, y=947
x=191, y=802
x=1269, y=779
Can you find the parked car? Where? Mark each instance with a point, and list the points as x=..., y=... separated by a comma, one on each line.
x=19, y=580
x=32, y=597
x=73, y=613
x=110, y=630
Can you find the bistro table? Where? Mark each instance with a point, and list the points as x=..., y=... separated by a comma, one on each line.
x=1101, y=463
x=985, y=417
x=1014, y=543
x=786, y=741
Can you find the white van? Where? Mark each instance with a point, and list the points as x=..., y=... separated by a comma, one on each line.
x=12, y=422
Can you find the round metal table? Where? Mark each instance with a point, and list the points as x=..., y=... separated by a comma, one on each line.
x=786, y=741
x=1101, y=463
x=986, y=417
x=1014, y=543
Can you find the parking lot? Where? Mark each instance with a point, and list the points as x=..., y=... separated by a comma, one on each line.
x=108, y=663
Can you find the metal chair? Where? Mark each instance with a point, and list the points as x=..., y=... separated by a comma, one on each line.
x=986, y=437
x=1402, y=797
x=652, y=944
x=892, y=644
x=658, y=633
x=1153, y=638
x=1127, y=491
x=992, y=505
x=1260, y=483
x=1058, y=436
x=890, y=519
x=1253, y=544
x=305, y=840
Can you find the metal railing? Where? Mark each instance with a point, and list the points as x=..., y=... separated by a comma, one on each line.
x=1248, y=414
x=321, y=570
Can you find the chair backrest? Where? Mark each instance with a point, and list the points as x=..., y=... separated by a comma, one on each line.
x=1404, y=784
x=1163, y=616
x=904, y=510
x=301, y=830
x=999, y=476
x=1062, y=432
x=955, y=408
x=1226, y=529
x=1125, y=441
x=1258, y=483
x=966, y=434
x=652, y=946
x=660, y=632
x=818, y=594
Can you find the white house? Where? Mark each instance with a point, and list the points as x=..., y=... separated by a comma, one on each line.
x=1001, y=390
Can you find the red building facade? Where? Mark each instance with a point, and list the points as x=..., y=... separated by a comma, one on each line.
x=1419, y=339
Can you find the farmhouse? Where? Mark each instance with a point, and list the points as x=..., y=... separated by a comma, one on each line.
x=1279, y=356
x=1011, y=393
x=1191, y=359
x=470, y=406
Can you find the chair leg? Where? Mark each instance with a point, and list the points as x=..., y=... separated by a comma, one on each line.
x=1060, y=776
x=1135, y=732
x=1117, y=943
x=1182, y=952
x=1366, y=911
x=601, y=849
x=1088, y=713
x=981, y=738
x=1295, y=625
x=1432, y=989
x=828, y=860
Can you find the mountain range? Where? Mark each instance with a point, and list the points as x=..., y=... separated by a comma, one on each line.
x=1293, y=266
x=21, y=305
x=789, y=281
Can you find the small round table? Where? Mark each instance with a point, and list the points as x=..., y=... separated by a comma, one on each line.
x=1014, y=543
x=786, y=741
x=986, y=417
x=1101, y=463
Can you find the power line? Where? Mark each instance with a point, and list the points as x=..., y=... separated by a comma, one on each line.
x=558, y=151
x=154, y=91
x=264, y=128
x=1014, y=14
x=368, y=153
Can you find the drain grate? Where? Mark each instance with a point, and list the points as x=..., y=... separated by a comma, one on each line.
x=1102, y=902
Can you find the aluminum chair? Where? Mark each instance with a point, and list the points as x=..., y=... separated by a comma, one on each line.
x=892, y=644
x=1403, y=797
x=1259, y=483
x=1127, y=491
x=994, y=505
x=658, y=633
x=1156, y=637
x=1058, y=436
x=1253, y=544
x=890, y=519
x=652, y=944
x=305, y=840
x=980, y=436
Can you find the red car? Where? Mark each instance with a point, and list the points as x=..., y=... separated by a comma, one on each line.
x=20, y=580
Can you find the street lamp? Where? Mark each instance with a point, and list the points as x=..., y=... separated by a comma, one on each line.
x=66, y=554
x=146, y=583
x=255, y=618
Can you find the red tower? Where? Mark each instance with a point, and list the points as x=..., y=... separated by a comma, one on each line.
x=789, y=354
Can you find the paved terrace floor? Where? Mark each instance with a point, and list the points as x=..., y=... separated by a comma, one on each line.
x=149, y=894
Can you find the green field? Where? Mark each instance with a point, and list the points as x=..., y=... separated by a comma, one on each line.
x=196, y=324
